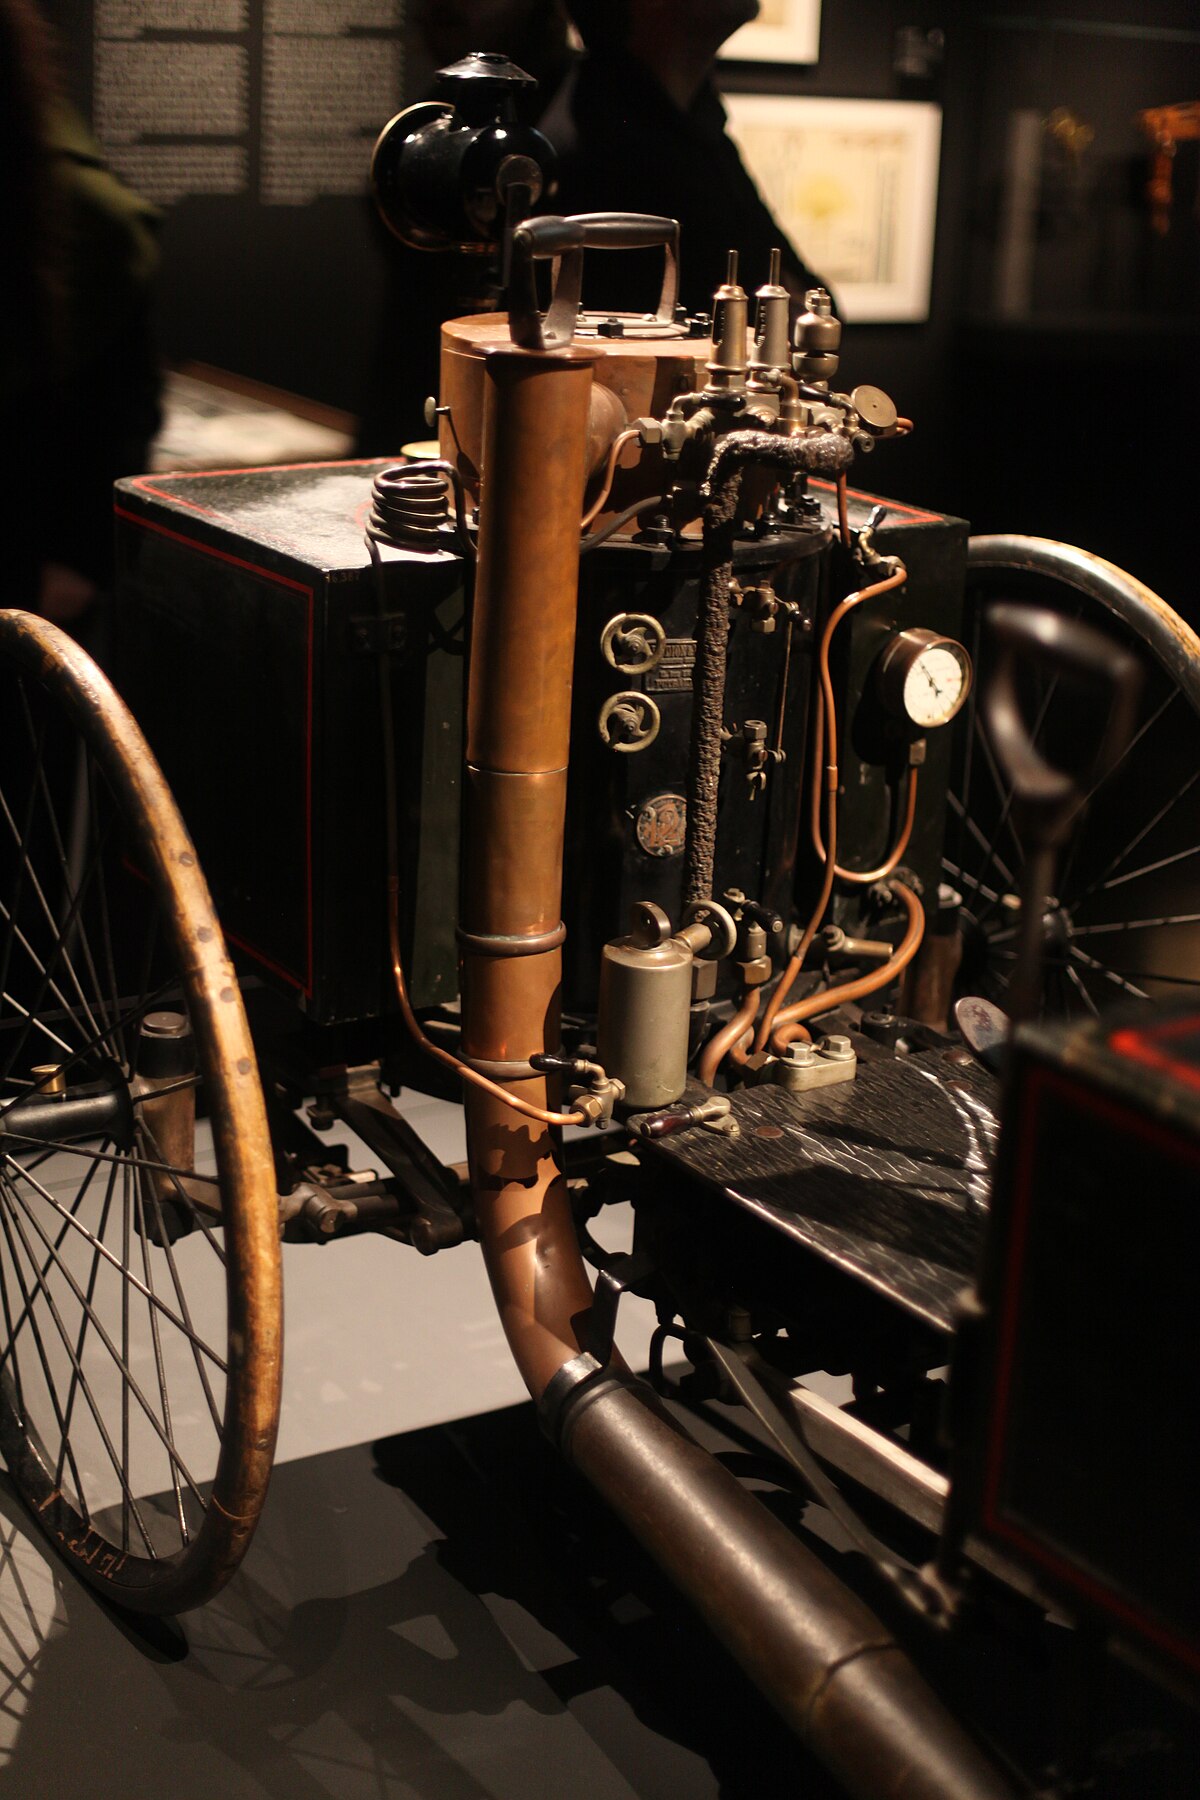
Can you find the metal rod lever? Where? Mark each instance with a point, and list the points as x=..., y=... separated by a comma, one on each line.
x=1047, y=800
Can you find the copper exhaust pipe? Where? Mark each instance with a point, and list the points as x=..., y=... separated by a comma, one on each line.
x=818, y=1653
x=518, y=738
x=815, y=1650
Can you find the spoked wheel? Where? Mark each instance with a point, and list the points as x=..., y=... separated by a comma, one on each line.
x=1124, y=924
x=139, y=1278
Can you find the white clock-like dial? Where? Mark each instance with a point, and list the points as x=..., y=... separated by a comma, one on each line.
x=935, y=686
x=923, y=678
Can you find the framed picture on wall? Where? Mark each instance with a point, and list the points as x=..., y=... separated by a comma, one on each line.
x=784, y=31
x=854, y=185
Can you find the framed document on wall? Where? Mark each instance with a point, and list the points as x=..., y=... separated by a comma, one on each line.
x=784, y=31
x=854, y=185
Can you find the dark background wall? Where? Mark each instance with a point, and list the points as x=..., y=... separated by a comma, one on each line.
x=1074, y=421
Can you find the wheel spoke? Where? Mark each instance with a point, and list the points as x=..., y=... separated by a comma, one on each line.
x=80, y=798
x=85, y=1050
x=182, y=1193
x=106, y=1340
x=37, y=1026
x=159, y=1368
x=1073, y=976
x=19, y=937
x=174, y=1087
x=10, y=1353
x=9, y=1222
x=110, y=1257
x=961, y=874
x=1151, y=975
x=122, y=1476
x=181, y=1298
x=68, y=1147
x=114, y=988
x=1136, y=924
x=1077, y=835
x=1004, y=793
x=83, y=1327
x=1091, y=962
x=23, y=837
x=1102, y=879
x=1164, y=862
x=60, y=930
x=27, y=1169
x=989, y=850
x=126, y=1254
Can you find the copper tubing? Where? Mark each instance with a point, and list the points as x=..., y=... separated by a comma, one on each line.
x=826, y=722
x=413, y=1026
x=722, y=1042
x=535, y=430
x=843, y=506
x=865, y=876
x=597, y=507
x=788, y=1026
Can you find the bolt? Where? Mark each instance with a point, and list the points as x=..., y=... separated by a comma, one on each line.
x=165, y=1024
x=801, y=1055
x=837, y=1049
x=739, y=1325
x=51, y=1079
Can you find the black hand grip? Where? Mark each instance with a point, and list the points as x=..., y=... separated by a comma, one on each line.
x=547, y=1063
x=535, y=240
x=660, y=1125
x=1064, y=647
x=627, y=231
x=546, y=236
x=550, y=235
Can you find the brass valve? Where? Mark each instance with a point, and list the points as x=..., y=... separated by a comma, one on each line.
x=817, y=336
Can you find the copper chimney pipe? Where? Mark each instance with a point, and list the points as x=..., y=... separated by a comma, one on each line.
x=518, y=739
x=832, y=1669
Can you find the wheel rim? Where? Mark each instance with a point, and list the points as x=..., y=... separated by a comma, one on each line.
x=1124, y=923
x=139, y=1296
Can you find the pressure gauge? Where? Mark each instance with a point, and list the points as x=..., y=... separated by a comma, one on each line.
x=924, y=678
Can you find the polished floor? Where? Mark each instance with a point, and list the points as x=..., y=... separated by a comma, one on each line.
x=433, y=1607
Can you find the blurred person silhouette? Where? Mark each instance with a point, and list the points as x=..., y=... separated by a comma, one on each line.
x=639, y=127
x=421, y=288
x=79, y=378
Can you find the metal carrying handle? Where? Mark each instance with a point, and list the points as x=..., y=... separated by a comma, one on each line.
x=1064, y=647
x=566, y=239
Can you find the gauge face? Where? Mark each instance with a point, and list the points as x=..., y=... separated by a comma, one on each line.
x=924, y=678
x=935, y=685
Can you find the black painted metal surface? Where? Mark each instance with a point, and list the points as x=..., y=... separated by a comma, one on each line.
x=247, y=619
x=887, y=1176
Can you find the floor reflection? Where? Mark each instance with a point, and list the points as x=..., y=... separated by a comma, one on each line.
x=441, y=1614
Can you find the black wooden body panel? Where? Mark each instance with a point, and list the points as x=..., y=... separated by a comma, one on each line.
x=1081, y=1394
x=241, y=600
x=887, y=1177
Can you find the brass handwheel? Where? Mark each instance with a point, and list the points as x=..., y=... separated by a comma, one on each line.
x=140, y=1313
